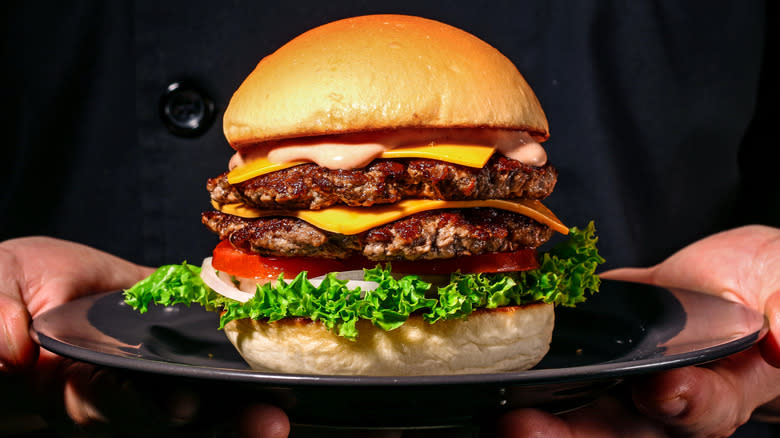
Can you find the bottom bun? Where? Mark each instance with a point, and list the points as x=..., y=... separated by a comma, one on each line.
x=510, y=338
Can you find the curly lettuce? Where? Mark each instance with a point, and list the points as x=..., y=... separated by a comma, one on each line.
x=564, y=277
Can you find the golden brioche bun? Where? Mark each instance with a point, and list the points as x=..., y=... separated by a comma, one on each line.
x=381, y=72
x=511, y=338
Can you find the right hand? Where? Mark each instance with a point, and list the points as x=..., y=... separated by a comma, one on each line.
x=710, y=400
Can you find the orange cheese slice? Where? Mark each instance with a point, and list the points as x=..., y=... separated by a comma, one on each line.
x=354, y=220
x=257, y=167
x=463, y=154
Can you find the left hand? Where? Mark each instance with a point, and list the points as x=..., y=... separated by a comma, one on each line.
x=712, y=400
x=39, y=273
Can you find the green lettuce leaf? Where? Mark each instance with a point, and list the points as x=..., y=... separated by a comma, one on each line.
x=564, y=276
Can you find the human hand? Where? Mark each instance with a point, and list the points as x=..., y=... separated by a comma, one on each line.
x=39, y=273
x=712, y=400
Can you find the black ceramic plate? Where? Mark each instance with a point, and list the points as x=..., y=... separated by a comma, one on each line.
x=624, y=330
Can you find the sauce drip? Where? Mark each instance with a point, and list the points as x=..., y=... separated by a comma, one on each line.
x=330, y=155
x=357, y=150
x=520, y=146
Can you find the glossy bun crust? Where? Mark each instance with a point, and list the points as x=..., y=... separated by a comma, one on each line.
x=505, y=339
x=380, y=72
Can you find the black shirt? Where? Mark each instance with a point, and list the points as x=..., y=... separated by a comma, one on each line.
x=649, y=105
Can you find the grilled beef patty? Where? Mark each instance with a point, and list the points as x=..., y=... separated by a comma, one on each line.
x=436, y=234
x=309, y=186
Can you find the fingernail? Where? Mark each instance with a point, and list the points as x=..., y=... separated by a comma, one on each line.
x=732, y=297
x=672, y=407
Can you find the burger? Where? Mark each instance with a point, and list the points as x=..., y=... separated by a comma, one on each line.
x=383, y=208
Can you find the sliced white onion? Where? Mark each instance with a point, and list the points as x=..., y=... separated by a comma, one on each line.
x=222, y=284
x=354, y=279
x=209, y=276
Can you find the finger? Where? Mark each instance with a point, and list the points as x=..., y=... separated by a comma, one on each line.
x=739, y=263
x=96, y=396
x=81, y=407
x=611, y=417
x=638, y=275
x=606, y=417
x=264, y=421
x=57, y=271
x=103, y=400
x=17, y=351
x=532, y=423
x=668, y=275
x=770, y=345
x=38, y=273
x=709, y=401
x=100, y=399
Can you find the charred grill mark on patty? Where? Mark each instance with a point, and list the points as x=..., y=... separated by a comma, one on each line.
x=437, y=234
x=309, y=186
x=443, y=234
x=279, y=236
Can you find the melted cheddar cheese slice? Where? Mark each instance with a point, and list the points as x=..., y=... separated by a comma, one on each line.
x=354, y=220
x=463, y=154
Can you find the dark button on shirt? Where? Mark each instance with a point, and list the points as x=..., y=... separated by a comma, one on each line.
x=186, y=109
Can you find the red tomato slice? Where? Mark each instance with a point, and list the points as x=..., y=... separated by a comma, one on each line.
x=241, y=264
x=522, y=260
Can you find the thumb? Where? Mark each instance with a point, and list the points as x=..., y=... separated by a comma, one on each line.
x=770, y=345
x=264, y=421
x=17, y=351
x=711, y=400
x=638, y=275
x=38, y=273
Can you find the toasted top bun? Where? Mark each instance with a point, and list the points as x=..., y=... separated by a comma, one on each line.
x=381, y=72
x=511, y=338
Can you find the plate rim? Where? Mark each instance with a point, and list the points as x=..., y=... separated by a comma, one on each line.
x=583, y=373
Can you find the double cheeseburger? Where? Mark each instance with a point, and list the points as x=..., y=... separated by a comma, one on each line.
x=383, y=209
